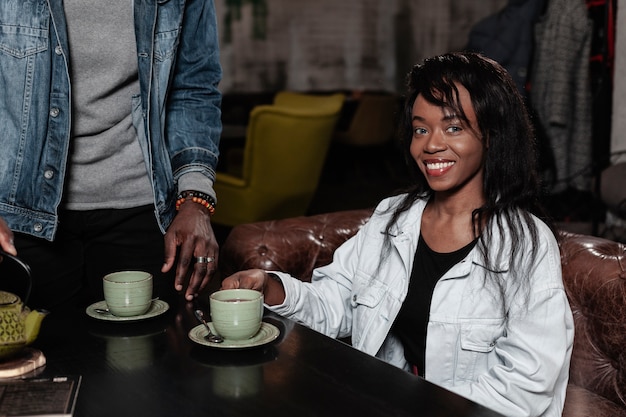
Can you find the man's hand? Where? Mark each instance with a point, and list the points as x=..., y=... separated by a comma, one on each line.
x=6, y=238
x=191, y=231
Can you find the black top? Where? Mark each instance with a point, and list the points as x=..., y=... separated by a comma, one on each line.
x=411, y=323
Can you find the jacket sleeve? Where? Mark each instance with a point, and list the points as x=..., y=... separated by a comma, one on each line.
x=324, y=304
x=193, y=116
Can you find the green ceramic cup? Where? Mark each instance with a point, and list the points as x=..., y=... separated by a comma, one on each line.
x=236, y=314
x=128, y=293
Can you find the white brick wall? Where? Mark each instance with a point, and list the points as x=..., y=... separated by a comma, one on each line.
x=618, y=137
x=343, y=44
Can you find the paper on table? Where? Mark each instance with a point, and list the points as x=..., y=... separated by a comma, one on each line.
x=39, y=397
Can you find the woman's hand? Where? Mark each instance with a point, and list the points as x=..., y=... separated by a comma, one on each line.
x=6, y=238
x=191, y=231
x=257, y=279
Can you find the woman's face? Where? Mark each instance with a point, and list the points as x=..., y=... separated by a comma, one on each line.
x=449, y=153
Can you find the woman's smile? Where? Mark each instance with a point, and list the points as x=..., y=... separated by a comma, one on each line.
x=437, y=167
x=447, y=146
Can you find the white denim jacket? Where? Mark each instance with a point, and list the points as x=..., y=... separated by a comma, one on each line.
x=515, y=363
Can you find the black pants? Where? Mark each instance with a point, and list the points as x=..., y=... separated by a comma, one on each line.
x=89, y=245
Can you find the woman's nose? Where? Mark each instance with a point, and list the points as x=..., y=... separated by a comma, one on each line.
x=435, y=142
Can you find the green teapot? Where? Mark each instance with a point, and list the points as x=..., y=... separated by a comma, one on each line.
x=19, y=326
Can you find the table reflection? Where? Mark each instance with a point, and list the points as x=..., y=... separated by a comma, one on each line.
x=151, y=367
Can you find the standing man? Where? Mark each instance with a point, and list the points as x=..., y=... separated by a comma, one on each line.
x=109, y=128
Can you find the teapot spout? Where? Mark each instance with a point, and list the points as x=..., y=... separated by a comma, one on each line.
x=32, y=324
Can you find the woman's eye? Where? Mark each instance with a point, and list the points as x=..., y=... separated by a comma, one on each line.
x=454, y=129
x=419, y=131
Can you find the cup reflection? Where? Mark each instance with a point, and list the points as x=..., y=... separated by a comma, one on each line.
x=235, y=382
x=129, y=352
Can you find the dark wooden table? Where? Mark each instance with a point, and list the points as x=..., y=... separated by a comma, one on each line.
x=151, y=368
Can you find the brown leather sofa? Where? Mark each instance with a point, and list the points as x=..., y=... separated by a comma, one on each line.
x=594, y=272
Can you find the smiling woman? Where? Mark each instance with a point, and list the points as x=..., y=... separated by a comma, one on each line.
x=447, y=147
x=458, y=279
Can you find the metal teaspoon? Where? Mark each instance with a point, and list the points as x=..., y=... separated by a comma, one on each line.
x=213, y=338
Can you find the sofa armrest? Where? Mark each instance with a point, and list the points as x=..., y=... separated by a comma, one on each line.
x=594, y=275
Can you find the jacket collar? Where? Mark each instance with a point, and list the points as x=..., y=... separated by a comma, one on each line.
x=405, y=235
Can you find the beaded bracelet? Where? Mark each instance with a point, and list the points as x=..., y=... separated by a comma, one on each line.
x=197, y=197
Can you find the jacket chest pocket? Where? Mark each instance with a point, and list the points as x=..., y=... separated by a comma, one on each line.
x=169, y=20
x=369, y=303
x=477, y=343
x=366, y=293
x=24, y=27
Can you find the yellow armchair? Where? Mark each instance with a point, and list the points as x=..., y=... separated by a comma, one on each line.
x=283, y=157
x=296, y=100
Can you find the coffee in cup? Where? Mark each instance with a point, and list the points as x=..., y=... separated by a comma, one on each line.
x=236, y=313
x=128, y=293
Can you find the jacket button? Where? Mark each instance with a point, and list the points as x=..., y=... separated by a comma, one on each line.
x=54, y=112
x=58, y=50
x=354, y=298
x=48, y=174
x=38, y=227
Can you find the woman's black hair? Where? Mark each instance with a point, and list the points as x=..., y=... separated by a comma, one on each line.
x=511, y=182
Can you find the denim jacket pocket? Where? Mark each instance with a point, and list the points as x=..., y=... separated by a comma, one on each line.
x=22, y=31
x=22, y=43
x=165, y=45
x=167, y=29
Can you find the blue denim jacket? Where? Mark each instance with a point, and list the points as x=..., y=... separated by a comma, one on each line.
x=177, y=114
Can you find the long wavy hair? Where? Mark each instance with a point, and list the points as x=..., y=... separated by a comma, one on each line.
x=511, y=182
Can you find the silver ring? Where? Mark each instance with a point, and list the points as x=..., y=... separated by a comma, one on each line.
x=204, y=259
